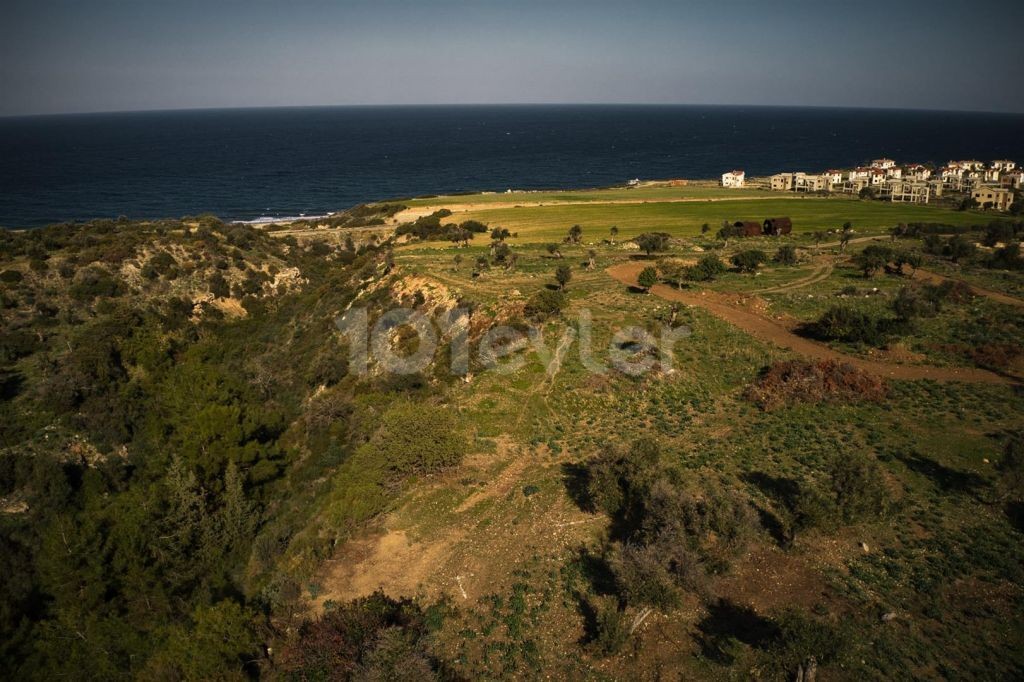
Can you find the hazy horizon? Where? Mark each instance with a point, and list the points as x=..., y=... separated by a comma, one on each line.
x=61, y=57
x=414, y=105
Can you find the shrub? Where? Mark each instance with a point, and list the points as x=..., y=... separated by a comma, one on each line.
x=786, y=255
x=563, y=275
x=374, y=637
x=873, y=258
x=95, y=282
x=11, y=276
x=416, y=438
x=800, y=639
x=859, y=487
x=842, y=323
x=707, y=268
x=792, y=381
x=749, y=260
x=648, y=278
x=959, y=248
x=544, y=304
x=1011, y=469
x=641, y=575
x=611, y=631
x=1006, y=258
x=219, y=286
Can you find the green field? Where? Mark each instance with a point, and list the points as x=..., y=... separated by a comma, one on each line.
x=549, y=223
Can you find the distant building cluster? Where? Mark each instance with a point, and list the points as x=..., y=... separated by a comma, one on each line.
x=992, y=185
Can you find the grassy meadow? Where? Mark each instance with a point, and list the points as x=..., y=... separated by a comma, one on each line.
x=685, y=218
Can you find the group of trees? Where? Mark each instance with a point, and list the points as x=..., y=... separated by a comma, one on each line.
x=431, y=228
x=877, y=257
x=160, y=461
x=668, y=533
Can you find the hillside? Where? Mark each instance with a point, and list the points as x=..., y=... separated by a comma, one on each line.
x=579, y=452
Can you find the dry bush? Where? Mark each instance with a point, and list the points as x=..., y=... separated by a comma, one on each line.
x=793, y=381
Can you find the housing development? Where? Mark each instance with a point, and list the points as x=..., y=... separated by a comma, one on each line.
x=991, y=185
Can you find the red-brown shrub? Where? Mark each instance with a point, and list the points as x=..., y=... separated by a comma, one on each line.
x=794, y=381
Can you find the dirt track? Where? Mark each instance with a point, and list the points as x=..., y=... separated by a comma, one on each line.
x=775, y=332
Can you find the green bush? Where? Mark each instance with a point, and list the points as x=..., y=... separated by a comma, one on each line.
x=786, y=255
x=749, y=260
x=544, y=304
x=417, y=438
x=843, y=323
x=707, y=268
x=95, y=282
x=859, y=487
x=611, y=629
x=648, y=278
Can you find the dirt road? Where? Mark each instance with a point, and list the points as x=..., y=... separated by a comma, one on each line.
x=776, y=332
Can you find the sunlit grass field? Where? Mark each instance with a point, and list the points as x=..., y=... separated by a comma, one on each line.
x=550, y=222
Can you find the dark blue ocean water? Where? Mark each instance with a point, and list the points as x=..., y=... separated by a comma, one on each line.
x=243, y=164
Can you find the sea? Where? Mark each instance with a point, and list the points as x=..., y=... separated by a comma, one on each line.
x=266, y=164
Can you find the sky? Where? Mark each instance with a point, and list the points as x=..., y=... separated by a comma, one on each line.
x=64, y=56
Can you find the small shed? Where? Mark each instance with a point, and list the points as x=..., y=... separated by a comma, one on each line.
x=746, y=228
x=777, y=226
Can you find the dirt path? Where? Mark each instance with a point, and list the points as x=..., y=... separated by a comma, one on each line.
x=936, y=278
x=821, y=272
x=772, y=331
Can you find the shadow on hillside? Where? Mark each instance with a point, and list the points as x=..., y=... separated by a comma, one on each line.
x=945, y=478
x=785, y=492
x=1015, y=514
x=727, y=621
x=576, y=479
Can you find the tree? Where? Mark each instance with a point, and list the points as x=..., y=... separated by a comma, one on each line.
x=457, y=260
x=575, y=234
x=845, y=237
x=749, y=260
x=819, y=236
x=650, y=242
x=648, y=278
x=905, y=258
x=868, y=193
x=614, y=231
x=591, y=257
x=968, y=203
x=959, y=248
x=705, y=228
x=500, y=234
x=872, y=259
x=554, y=250
x=563, y=274
x=707, y=268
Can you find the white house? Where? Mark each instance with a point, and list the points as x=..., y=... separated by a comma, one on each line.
x=1012, y=178
x=971, y=165
x=883, y=163
x=916, y=171
x=809, y=183
x=860, y=174
x=781, y=182
x=833, y=176
x=733, y=179
x=1004, y=165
